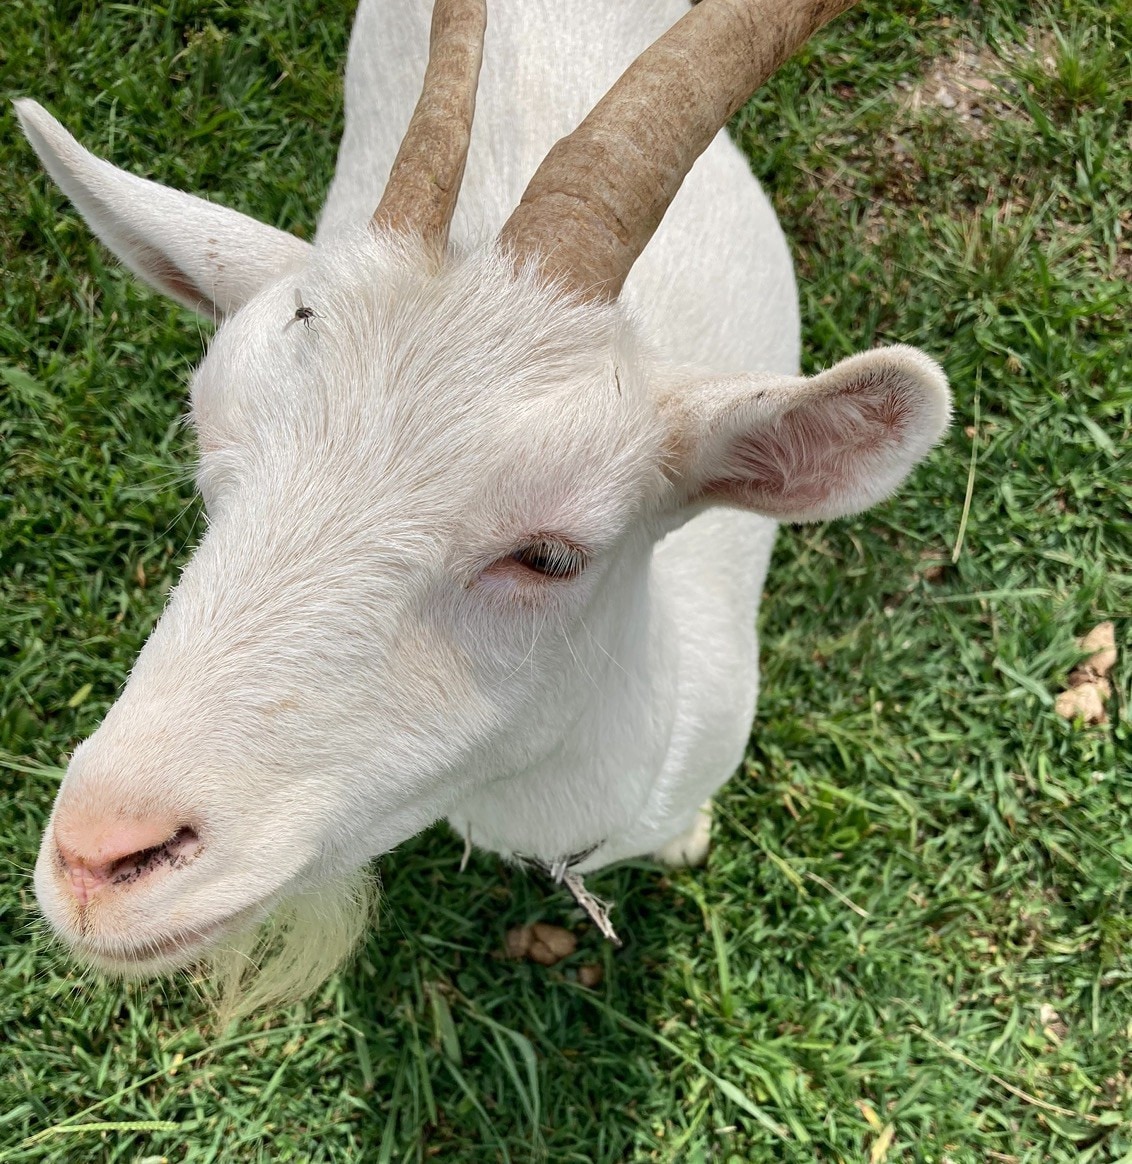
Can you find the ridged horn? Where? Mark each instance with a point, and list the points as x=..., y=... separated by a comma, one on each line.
x=424, y=183
x=599, y=195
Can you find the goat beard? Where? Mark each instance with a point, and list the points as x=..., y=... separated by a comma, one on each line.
x=292, y=952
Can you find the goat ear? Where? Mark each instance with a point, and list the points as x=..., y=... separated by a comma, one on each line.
x=204, y=256
x=808, y=449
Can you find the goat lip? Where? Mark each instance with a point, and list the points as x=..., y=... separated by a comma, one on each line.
x=163, y=953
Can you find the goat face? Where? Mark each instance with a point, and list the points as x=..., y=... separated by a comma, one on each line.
x=414, y=506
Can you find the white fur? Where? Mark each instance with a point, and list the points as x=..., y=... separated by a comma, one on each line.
x=349, y=656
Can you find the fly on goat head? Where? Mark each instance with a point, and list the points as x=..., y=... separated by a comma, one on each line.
x=303, y=313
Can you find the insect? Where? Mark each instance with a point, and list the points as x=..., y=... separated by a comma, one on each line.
x=302, y=312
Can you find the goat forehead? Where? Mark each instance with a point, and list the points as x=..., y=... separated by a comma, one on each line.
x=424, y=377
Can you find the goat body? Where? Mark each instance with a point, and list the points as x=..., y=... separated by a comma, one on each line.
x=477, y=548
x=665, y=670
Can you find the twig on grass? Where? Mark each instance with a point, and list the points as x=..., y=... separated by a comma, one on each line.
x=1053, y=1108
x=958, y=548
x=857, y=909
x=113, y=1126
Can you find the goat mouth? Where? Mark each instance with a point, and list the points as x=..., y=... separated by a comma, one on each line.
x=135, y=959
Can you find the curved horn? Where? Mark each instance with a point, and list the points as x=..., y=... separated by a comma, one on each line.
x=420, y=196
x=601, y=192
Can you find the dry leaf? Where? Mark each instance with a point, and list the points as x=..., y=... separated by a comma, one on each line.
x=1054, y=1027
x=1100, y=642
x=869, y=1112
x=1088, y=688
x=1086, y=701
x=881, y=1145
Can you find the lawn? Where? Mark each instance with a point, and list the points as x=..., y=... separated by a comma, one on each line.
x=912, y=939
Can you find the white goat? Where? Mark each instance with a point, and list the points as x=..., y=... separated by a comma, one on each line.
x=486, y=534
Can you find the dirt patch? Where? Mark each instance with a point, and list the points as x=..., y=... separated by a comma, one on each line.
x=1122, y=261
x=969, y=85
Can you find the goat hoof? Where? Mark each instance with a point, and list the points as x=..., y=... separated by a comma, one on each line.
x=691, y=847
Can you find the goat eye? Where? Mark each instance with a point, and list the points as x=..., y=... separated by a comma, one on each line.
x=552, y=559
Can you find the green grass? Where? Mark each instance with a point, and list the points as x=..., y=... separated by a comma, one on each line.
x=912, y=939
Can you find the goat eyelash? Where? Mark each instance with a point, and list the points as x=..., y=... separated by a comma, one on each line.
x=551, y=558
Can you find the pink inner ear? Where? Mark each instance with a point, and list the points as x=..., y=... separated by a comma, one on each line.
x=816, y=455
x=163, y=272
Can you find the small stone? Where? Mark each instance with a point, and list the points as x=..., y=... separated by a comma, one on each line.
x=944, y=99
x=550, y=944
x=541, y=943
x=517, y=942
x=590, y=975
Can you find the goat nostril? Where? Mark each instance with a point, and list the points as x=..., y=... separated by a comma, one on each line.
x=120, y=860
x=175, y=852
